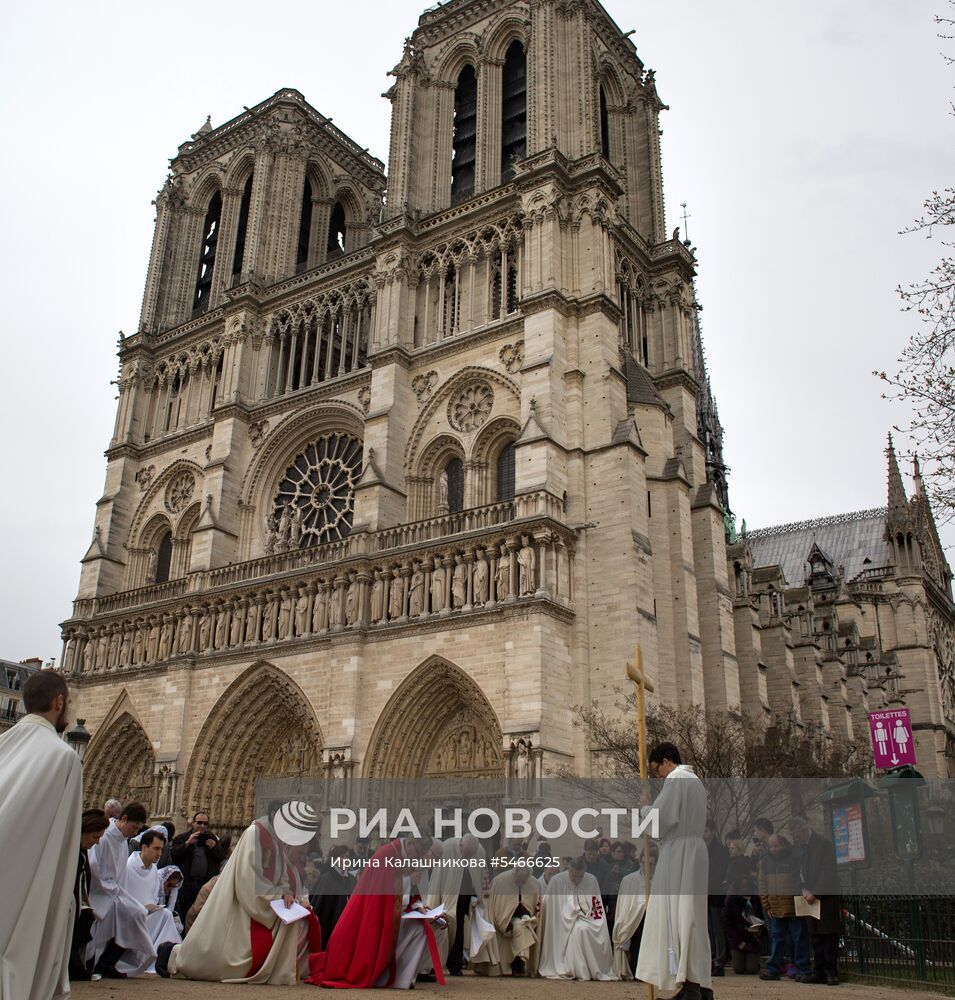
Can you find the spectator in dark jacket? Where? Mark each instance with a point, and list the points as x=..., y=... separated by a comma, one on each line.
x=331, y=891
x=819, y=879
x=738, y=865
x=743, y=929
x=197, y=855
x=778, y=884
x=719, y=859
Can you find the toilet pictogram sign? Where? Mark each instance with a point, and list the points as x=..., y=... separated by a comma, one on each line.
x=891, y=734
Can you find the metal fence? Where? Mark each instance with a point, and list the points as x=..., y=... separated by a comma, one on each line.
x=903, y=941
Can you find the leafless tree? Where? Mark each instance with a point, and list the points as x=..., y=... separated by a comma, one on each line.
x=925, y=379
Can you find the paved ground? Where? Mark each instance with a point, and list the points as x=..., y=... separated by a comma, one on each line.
x=474, y=988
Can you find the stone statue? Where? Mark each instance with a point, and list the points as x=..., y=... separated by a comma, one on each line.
x=238, y=618
x=301, y=612
x=125, y=647
x=416, y=592
x=503, y=573
x=165, y=638
x=268, y=619
x=443, y=491
x=377, y=597
x=465, y=750
x=185, y=634
x=396, y=597
x=205, y=629
x=251, y=622
x=437, y=586
x=525, y=563
x=295, y=527
x=285, y=615
x=152, y=643
x=218, y=641
x=320, y=609
x=271, y=537
x=285, y=527
x=139, y=641
x=522, y=769
x=89, y=656
x=459, y=582
x=113, y=647
x=337, y=612
x=351, y=599
x=480, y=578
x=152, y=560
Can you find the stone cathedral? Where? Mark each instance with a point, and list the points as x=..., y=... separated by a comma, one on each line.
x=404, y=467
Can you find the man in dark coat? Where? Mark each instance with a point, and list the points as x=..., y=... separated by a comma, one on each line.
x=719, y=860
x=330, y=893
x=819, y=878
x=197, y=855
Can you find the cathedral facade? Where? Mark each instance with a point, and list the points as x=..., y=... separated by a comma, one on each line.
x=405, y=467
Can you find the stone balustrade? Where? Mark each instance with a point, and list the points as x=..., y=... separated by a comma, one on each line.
x=367, y=581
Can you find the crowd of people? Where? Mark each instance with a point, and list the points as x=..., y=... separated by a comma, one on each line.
x=276, y=910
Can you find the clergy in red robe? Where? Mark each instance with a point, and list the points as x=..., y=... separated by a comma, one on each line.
x=371, y=944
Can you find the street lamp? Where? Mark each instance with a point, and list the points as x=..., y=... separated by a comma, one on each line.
x=935, y=819
x=78, y=738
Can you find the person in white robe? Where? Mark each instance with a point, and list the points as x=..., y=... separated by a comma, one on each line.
x=575, y=941
x=170, y=882
x=41, y=796
x=238, y=936
x=144, y=885
x=675, y=948
x=455, y=883
x=121, y=945
x=512, y=906
x=628, y=923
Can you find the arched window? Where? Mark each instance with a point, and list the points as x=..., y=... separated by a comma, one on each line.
x=514, y=111
x=305, y=226
x=455, y=471
x=604, y=125
x=207, y=258
x=242, y=229
x=464, y=136
x=337, y=231
x=505, y=473
x=164, y=558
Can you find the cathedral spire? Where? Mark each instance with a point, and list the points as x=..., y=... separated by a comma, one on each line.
x=917, y=477
x=897, y=498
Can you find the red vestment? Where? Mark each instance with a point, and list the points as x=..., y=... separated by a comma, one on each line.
x=362, y=945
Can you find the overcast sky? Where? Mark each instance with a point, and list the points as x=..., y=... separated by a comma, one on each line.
x=802, y=136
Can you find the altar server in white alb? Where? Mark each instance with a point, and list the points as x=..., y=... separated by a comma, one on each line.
x=145, y=884
x=512, y=905
x=628, y=923
x=455, y=883
x=675, y=949
x=575, y=942
x=41, y=793
x=121, y=946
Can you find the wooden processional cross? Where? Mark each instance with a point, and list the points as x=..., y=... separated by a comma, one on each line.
x=639, y=678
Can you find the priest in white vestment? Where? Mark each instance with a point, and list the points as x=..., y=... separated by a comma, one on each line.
x=455, y=883
x=41, y=793
x=143, y=883
x=238, y=936
x=675, y=949
x=121, y=945
x=628, y=922
x=512, y=907
x=575, y=941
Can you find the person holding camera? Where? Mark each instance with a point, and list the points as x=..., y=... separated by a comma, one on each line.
x=197, y=855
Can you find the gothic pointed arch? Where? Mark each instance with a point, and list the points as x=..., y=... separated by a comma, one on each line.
x=463, y=738
x=120, y=763
x=166, y=495
x=262, y=726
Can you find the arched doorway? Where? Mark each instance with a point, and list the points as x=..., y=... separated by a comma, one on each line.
x=120, y=765
x=262, y=726
x=461, y=738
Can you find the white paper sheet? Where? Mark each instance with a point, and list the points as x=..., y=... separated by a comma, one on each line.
x=426, y=915
x=288, y=914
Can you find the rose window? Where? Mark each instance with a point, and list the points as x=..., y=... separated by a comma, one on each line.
x=316, y=493
x=470, y=408
x=179, y=491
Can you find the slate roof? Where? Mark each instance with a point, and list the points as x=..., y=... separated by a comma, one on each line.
x=640, y=387
x=848, y=539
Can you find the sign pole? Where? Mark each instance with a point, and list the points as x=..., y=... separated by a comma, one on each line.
x=642, y=685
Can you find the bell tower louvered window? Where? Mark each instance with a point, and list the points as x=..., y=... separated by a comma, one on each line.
x=455, y=470
x=464, y=139
x=604, y=125
x=337, y=231
x=514, y=111
x=304, y=226
x=242, y=228
x=505, y=474
x=207, y=258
